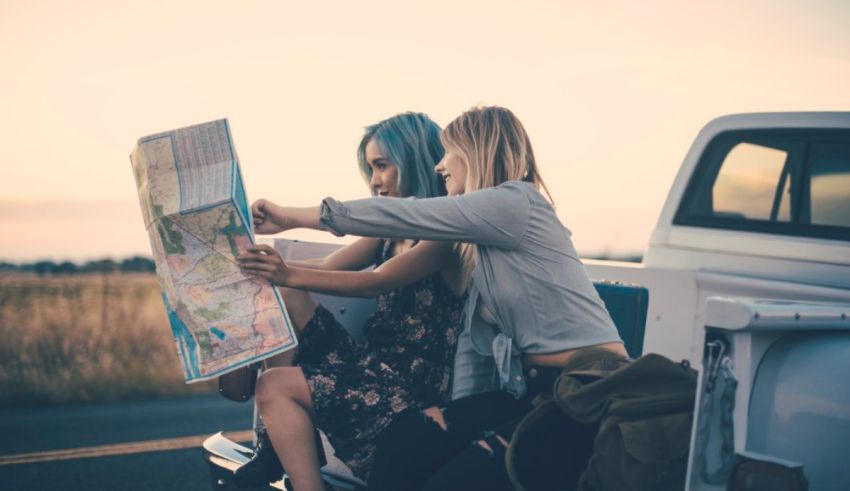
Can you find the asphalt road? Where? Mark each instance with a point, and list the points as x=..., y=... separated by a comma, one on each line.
x=39, y=433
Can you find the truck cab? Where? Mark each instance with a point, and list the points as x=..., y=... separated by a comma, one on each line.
x=748, y=270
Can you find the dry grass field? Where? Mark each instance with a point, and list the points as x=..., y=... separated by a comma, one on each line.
x=86, y=338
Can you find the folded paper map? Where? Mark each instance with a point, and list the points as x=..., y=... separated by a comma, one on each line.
x=198, y=219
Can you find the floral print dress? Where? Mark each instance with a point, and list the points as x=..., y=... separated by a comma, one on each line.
x=405, y=364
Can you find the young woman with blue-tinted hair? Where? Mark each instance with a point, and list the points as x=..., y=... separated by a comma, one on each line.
x=411, y=142
x=352, y=391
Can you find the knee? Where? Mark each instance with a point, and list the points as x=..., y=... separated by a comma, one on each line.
x=263, y=391
x=299, y=304
x=273, y=386
x=293, y=297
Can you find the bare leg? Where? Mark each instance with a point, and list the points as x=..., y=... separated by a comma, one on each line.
x=283, y=398
x=300, y=306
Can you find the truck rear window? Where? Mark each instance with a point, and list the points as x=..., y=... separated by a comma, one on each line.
x=788, y=182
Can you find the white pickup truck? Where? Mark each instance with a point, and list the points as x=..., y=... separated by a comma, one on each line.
x=748, y=272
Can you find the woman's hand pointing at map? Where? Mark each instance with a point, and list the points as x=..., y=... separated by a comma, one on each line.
x=266, y=217
x=270, y=218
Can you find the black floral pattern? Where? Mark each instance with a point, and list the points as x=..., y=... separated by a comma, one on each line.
x=405, y=365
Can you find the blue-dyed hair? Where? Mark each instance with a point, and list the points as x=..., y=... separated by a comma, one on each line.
x=411, y=141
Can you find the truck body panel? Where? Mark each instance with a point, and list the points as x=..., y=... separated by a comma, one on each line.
x=759, y=296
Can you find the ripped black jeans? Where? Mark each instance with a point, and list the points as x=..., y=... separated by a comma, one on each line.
x=416, y=453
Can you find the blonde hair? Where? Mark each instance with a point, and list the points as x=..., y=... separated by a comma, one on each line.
x=496, y=149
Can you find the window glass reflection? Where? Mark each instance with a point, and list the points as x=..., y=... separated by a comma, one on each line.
x=747, y=182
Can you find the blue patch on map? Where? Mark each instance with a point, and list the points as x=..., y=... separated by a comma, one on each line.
x=218, y=332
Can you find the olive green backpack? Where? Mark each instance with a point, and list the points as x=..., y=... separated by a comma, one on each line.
x=644, y=412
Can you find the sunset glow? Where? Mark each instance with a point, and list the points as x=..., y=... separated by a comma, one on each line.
x=612, y=94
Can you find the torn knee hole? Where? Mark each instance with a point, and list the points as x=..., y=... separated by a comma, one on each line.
x=486, y=446
x=492, y=436
x=436, y=415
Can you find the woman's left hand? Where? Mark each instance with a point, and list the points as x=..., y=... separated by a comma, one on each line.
x=264, y=261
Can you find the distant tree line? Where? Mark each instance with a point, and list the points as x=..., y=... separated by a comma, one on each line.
x=140, y=264
x=135, y=264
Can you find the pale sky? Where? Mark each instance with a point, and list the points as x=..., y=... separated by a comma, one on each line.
x=611, y=93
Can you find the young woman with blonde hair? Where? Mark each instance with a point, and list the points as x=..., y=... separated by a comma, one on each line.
x=531, y=306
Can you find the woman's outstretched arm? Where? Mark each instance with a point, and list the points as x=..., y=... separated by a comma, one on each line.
x=271, y=218
x=496, y=217
x=412, y=265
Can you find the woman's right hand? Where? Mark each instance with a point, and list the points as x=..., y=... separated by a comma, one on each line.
x=269, y=218
x=264, y=261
